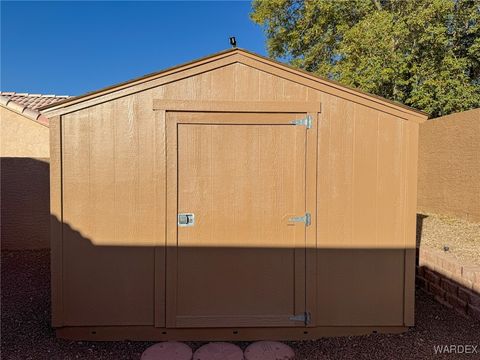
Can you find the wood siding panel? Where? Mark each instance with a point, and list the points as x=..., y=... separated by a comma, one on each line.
x=323, y=174
x=56, y=206
x=222, y=87
x=360, y=201
x=76, y=169
x=109, y=214
x=189, y=88
x=390, y=184
x=147, y=129
x=360, y=287
x=270, y=87
x=235, y=82
x=246, y=83
x=411, y=133
x=340, y=170
x=365, y=178
x=126, y=172
x=102, y=171
x=293, y=91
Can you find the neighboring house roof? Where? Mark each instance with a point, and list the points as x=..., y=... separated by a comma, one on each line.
x=233, y=55
x=33, y=101
x=27, y=104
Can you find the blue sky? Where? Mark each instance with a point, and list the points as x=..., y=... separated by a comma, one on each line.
x=69, y=48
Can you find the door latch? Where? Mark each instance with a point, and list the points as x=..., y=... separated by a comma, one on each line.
x=307, y=219
x=306, y=318
x=186, y=219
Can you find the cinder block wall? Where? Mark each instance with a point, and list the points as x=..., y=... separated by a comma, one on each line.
x=25, y=189
x=25, y=199
x=448, y=165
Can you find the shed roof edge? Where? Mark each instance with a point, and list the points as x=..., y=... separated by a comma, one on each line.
x=422, y=116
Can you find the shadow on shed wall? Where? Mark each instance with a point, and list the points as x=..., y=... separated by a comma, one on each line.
x=114, y=285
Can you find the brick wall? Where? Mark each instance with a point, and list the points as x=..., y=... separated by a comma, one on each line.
x=452, y=284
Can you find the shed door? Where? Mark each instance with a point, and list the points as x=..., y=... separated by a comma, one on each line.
x=240, y=260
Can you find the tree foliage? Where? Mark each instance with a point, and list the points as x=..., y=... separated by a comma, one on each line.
x=423, y=53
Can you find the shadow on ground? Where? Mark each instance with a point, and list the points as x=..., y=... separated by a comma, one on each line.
x=26, y=332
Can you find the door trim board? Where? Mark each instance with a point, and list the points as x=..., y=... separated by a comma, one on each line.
x=237, y=106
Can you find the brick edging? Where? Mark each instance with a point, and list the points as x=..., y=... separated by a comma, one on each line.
x=451, y=283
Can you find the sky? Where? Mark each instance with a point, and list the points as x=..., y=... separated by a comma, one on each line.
x=69, y=48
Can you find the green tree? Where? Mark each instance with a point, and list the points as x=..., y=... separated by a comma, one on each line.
x=423, y=53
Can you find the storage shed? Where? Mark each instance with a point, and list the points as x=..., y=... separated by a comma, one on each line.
x=235, y=198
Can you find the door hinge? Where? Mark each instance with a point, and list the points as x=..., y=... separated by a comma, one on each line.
x=306, y=121
x=307, y=219
x=306, y=318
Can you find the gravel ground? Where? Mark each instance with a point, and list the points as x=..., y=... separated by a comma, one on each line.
x=461, y=237
x=26, y=334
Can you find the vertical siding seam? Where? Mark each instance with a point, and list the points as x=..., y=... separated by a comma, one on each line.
x=165, y=208
x=258, y=86
x=405, y=205
x=405, y=172
x=353, y=176
x=211, y=172
x=155, y=217
x=317, y=155
x=376, y=179
x=89, y=165
x=62, y=252
x=329, y=176
x=139, y=203
x=402, y=176
x=114, y=172
x=235, y=71
x=305, y=179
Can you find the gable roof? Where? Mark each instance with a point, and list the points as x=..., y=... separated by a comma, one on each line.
x=232, y=56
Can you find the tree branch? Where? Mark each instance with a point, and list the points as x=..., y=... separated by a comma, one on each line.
x=377, y=4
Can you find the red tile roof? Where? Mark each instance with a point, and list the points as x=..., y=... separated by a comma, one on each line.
x=33, y=101
x=27, y=104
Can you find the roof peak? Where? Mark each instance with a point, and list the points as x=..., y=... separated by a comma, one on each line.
x=236, y=54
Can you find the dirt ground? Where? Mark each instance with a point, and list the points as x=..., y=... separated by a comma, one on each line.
x=26, y=333
x=461, y=237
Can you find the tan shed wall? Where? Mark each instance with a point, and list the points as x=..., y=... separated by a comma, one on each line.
x=366, y=206
x=25, y=211
x=114, y=183
x=449, y=165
